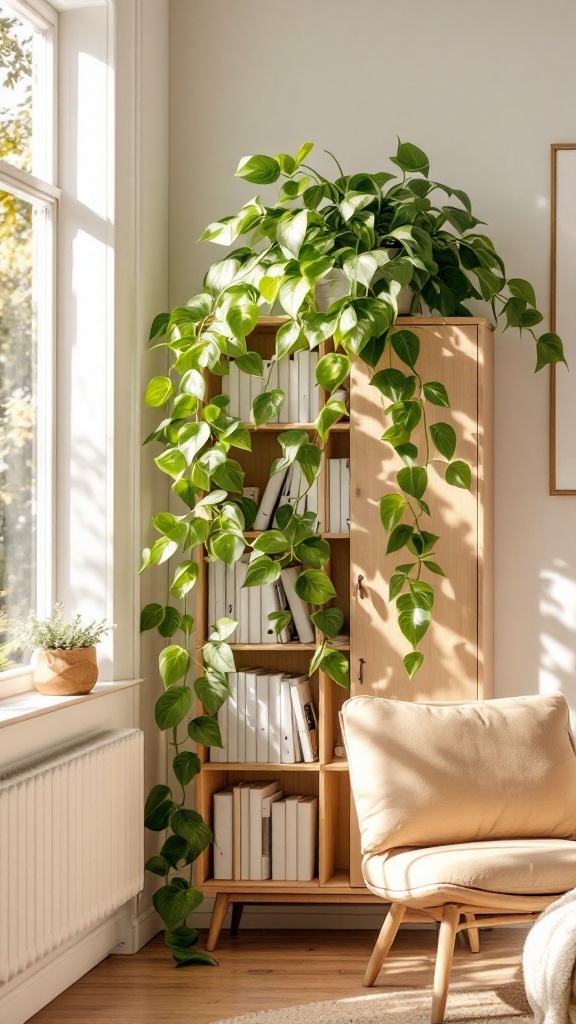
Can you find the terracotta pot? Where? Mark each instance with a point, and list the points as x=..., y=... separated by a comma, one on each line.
x=66, y=673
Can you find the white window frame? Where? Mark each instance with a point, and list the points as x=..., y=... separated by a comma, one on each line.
x=43, y=194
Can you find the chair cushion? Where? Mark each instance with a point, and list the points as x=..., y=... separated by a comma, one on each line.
x=522, y=866
x=432, y=775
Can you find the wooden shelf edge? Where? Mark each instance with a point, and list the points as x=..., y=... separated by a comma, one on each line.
x=265, y=766
x=276, y=428
x=273, y=647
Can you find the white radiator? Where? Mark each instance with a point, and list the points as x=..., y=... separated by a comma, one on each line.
x=71, y=844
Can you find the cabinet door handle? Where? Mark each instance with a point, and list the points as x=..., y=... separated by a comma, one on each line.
x=361, y=663
x=359, y=586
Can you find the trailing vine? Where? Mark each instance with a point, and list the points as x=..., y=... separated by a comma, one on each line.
x=381, y=233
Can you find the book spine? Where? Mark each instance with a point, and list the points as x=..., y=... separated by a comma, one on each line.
x=241, y=700
x=287, y=753
x=314, y=388
x=234, y=386
x=220, y=590
x=265, y=514
x=245, y=833
x=236, y=832
x=334, y=494
x=230, y=592
x=291, y=857
x=268, y=803
x=211, y=593
x=221, y=753
x=223, y=842
x=279, y=841
x=273, y=385
x=344, y=496
x=262, y=719
x=307, y=814
x=232, y=705
x=303, y=734
x=274, y=719
x=242, y=604
x=284, y=385
x=245, y=387
x=268, y=598
x=293, y=401
x=304, y=387
x=251, y=706
x=255, y=835
x=297, y=606
x=255, y=615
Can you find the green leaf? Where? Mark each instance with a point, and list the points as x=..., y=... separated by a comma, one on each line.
x=193, y=384
x=530, y=318
x=262, y=570
x=293, y=190
x=212, y=691
x=261, y=170
x=549, y=350
x=393, y=384
x=422, y=543
x=413, y=621
x=314, y=586
x=413, y=480
x=183, y=957
x=412, y=662
x=205, y=730
x=158, y=865
x=267, y=405
x=222, y=629
x=522, y=290
x=422, y=594
x=292, y=293
x=182, y=937
x=444, y=438
x=302, y=153
x=459, y=475
x=434, y=567
x=329, y=621
x=271, y=542
x=171, y=622
x=332, y=370
x=290, y=233
x=199, y=307
x=397, y=581
x=218, y=655
x=184, y=578
x=171, y=462
x=185, y=766
x=361, y=268
x=221, y=275
x=309, y=457
x=392, y=508
x=174, y=903
x=158, y=808
x=335, y=665
x=408, y=452
x=159, y=325
x=328, y=416
x=191, y=438
x=405, y=415
x=159, y=390
x=313, y=551
x=151, y=616
x=406, y=345
x=286, y=338
x=176, y=850
x=279, y=620
x=411, y=159
x=227, y=546
x=353, y=203
x=173, y=706
x=174, y=663
x=399, y=537
x=242, y=320
x=229, y=475
x=251, y=363
x=436, y=393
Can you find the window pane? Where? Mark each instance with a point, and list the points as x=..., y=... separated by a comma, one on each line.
x=23, y=93
x=19, y=223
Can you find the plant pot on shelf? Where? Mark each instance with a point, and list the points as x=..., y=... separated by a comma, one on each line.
x=335, y=285
x=66, y=673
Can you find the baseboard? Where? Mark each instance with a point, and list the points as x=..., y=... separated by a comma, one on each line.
x=144, y=927
x=26, y=994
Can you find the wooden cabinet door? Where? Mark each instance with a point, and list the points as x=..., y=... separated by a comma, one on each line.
x=456, y=648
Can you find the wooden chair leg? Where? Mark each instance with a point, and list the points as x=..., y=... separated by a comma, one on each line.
x=384, y=941
x=237, y=909
x=446, y=940
x=218, y=915
x=473, y=935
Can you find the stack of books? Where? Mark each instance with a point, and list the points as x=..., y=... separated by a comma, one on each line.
x=269, y=719
x=250, y=606
x=258, y=834
x=286, y=488
x=295, y=376
x=339, y=495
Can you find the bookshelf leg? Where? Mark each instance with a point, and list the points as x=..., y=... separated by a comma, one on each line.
x=237, y=910
x=218, y=915
x=384, y=941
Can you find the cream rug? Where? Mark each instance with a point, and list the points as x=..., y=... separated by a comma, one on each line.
x=505, y=1005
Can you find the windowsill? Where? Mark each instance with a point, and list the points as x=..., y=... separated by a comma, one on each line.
x=33, y=704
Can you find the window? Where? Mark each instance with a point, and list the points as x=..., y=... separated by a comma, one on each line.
x=28, y=200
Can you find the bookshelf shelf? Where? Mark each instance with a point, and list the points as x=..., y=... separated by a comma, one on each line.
x=277, y=428
x=273, y=647
x=268, y=767
x=336, y=766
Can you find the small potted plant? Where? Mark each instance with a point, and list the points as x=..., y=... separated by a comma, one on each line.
x=66, y=662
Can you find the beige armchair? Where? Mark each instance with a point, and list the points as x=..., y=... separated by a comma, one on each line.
x=467, y=814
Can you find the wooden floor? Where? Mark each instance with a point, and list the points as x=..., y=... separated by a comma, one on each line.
x=260, y=970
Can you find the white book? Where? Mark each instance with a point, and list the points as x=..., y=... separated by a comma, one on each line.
x=284, y=385
x=262, y=718
x=286, y=634
x=297, y=487
x=232, y=705
x=298, y=607
x=307, y=815
x=245, y=830
x=274, y=718
x=237, y=831
x=279, y=841
x=211, y=593
x=312, y=504
x=241, y=633
x=291, y=857
x=254, y=615
x=314, y=401
x=304, y=386
x=225, y=385
x=241, y=702
x=265, y=514
x=230, y=592
x=305, y=715
x=267, y=805
x=251, y=705
x=223, y=833
x=293, y=401
x=284, y=496
x=257, y=792
x=219, y=590
x=334, y=496
x=344, y=495
x=221, y=753
x=287, y=728
x=246, y=384
x=234, y=389
x=273, y=384
x=268, y=598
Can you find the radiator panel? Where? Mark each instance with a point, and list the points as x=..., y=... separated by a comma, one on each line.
x=71, y=845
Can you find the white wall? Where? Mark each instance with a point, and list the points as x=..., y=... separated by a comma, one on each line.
x=484, y=89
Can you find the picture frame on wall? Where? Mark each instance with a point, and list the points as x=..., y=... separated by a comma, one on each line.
x=563, y=318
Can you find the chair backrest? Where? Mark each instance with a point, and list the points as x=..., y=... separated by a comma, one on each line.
x=430, y=775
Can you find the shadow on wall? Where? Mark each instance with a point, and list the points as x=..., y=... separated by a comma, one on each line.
x=558, y=634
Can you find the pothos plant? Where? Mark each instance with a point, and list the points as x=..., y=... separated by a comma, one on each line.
x=380, y=232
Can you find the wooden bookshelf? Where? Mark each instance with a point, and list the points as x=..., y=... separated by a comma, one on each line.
x=339, y=878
